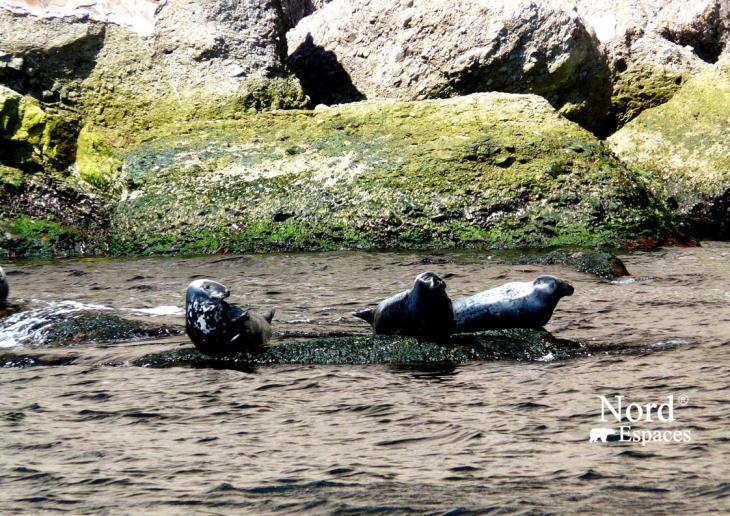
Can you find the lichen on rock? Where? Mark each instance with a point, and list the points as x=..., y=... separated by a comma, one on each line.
x=684, y=145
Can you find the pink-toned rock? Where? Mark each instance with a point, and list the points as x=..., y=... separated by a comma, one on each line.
x=139, y=15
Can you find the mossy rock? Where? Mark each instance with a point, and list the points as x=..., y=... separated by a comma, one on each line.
x=87, y=327
x=517, y=344
x=488, y=169
x=35, y=136
x=684, y=146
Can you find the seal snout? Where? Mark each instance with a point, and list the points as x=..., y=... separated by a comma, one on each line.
x=431, y=280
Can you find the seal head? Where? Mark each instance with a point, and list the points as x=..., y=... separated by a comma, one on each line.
x=423, y=312
x=218, y=328
x=512, y=305
x=4, y=288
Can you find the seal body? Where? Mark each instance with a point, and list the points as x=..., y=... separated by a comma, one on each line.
x=218, y=328
x=424, y=312
x=513, y=305
x=4, y=288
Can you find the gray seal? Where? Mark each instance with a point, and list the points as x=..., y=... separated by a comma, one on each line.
x=423, y=312
x=4, y=288
x=527, y=304
x=218, y=328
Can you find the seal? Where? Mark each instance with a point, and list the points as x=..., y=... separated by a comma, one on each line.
x=4, y=288
x=527, y=304
x=424, y=312
x=218, y=328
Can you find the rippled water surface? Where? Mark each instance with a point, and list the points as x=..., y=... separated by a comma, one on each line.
x=490, y=436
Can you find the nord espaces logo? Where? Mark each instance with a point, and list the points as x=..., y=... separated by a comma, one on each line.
x=654, y=418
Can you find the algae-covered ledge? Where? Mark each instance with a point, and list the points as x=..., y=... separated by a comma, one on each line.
x=488, y=169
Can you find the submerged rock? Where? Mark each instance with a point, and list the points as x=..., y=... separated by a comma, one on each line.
x=102, y=327
x=68, y=323
x=684, y=144
x=486, y=169
x=416, y=50
x=598, y=263
x=367, y=349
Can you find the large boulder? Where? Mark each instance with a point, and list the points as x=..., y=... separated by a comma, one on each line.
x=685, y=143
x=128, y=67
x=150, y=62
x=351, y=49
x=653, y=46
x=486, y=169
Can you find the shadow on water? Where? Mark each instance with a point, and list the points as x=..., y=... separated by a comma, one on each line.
x=323, y=78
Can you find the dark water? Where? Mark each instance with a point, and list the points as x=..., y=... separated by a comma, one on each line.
x=494, y=436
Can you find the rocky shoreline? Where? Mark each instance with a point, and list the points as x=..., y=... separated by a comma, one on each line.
x=175, y=127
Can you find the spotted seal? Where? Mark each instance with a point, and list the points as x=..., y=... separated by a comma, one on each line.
x=218, y=328
x=423, y=312
x=527, y=304
x=4, y=288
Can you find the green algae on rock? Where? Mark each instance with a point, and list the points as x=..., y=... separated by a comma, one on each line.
x=49, y=214
x=515, y=344
x=102, y=327
x=34, y=136
x=684, y=145
x=486, y=169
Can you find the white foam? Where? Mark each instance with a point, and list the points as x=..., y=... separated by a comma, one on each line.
x=158, y=310
x=30, y=327
x=549, y=357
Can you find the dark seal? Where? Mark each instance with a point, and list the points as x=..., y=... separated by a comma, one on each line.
x=218, y=328
x=423, y=312
x=4, y=289
x=527, y=304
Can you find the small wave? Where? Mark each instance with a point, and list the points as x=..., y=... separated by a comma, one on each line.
x=30, y=327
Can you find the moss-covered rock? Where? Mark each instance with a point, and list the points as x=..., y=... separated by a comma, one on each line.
x=486, y=169
x=34, y=136
x=49, y=214
x=685, y=145
x=366, y=349
x=102, y=327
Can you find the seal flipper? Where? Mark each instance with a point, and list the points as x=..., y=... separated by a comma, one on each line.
x=238, y=315
x=367, y=315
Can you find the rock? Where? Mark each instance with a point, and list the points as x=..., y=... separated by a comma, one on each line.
x=515, y=344
x=491, y=169
x=415, y=50
x=101, y=58
x=87, y=327
x=139, y=15
x=684, y=144
x=602, y=264
x=295, y=10
x=34, y=136
x=653, y=46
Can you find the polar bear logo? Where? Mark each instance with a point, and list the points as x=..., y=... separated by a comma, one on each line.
x=600, y=434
